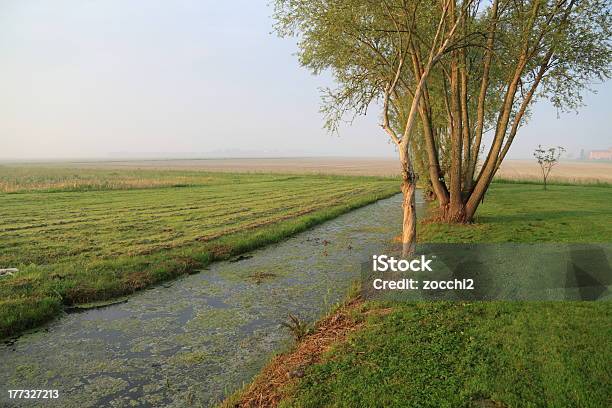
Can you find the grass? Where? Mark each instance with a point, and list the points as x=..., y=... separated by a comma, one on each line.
x=84, y=246
x=45, y=178
x=526, y=213
x=591, y=182
x=459, y=354
x=480, y=354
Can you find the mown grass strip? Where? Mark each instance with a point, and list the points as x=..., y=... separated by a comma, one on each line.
x=60, y=263
x=122, y=230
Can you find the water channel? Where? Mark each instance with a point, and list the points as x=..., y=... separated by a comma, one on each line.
x=201, y=337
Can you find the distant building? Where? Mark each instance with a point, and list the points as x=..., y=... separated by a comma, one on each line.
x=600, y=154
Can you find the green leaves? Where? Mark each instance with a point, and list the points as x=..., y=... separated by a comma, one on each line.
x=502, y=57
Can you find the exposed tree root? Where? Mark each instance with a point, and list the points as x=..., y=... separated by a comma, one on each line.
x=445, y=215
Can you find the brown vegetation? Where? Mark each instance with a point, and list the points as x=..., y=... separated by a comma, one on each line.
x=268, y=387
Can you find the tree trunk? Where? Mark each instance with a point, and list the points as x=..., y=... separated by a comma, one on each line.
x=409, y=222
x=438, y=186
x=455, y=212
x=490, y=164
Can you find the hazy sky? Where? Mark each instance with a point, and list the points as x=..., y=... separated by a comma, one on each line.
x=90, y=78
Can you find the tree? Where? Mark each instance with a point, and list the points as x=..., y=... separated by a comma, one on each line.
x=448, y=74
x=547, y=159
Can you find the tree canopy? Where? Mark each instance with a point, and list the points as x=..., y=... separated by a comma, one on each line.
x=446, y=72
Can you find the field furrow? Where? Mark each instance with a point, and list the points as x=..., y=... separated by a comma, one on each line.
x=78, y=239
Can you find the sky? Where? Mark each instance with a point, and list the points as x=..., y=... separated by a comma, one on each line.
x=186, y=78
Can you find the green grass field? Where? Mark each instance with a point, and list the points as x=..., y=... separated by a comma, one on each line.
x=482, y=354
x=83, y=241
x=526, y=213
x=45, y=178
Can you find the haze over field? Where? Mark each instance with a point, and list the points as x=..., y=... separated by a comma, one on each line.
x=565, y=171
x=110, y=78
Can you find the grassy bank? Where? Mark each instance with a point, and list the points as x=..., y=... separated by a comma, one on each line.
x=83, y=246
x=476, y=354
x=468, y=354
x=526, y=213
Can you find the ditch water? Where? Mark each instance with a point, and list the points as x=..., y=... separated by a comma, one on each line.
x=195, y=340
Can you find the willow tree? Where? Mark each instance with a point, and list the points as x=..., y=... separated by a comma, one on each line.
x=367, y=45
x=446, y=73
x=514, y=53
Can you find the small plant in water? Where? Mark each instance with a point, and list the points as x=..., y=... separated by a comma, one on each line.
x=298, y=329
x=189, y=398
